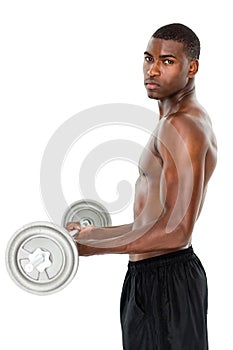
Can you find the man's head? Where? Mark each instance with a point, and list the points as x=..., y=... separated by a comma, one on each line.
x=171, y=61
x=180, y=33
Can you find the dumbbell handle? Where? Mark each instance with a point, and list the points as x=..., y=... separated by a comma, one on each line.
x=36, y=261
x=73, y=233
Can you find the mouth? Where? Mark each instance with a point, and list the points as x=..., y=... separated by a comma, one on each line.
x=151, y=85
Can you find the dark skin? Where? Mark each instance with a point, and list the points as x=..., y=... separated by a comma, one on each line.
x=174, y=168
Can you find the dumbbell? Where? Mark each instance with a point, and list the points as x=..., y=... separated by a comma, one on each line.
x=42, y=258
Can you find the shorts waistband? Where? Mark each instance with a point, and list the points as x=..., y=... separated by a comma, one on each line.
x=165, y=259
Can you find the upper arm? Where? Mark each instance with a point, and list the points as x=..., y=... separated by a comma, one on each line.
x=182, y=146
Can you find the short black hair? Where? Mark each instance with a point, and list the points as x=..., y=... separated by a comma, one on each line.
x=183, y=34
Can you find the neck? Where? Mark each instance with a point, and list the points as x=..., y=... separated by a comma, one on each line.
x=173, y=103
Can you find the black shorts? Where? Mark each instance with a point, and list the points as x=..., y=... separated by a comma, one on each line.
x=164, y=303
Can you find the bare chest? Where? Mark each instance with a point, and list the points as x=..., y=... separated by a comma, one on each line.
x=150, y=161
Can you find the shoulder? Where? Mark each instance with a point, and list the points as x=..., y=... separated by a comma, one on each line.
x=193, y=129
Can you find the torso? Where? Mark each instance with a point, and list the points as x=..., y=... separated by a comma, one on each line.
x=148, y=204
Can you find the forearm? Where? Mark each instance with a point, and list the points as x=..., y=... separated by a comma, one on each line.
x=103, y=240
x=128, y=240
x=114, y=230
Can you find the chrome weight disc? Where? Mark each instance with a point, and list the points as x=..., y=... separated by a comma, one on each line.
x=42, y=258
x=87, y=212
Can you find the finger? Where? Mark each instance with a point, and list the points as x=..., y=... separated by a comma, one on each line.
x=73, y=226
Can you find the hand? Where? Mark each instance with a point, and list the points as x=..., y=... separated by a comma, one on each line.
x=80, y=237
x=71, y=226
x=83, y=231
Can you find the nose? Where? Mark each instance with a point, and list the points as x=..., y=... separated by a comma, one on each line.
x=154, y=70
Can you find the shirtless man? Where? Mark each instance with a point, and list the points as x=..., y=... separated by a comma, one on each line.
x=164, y=296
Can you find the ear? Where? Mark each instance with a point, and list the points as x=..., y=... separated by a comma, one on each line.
x=193, y=69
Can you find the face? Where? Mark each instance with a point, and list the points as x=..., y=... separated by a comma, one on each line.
x=166, y=68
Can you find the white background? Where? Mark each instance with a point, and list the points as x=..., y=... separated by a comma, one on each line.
x=57, y=59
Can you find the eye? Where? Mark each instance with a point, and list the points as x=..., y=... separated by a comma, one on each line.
x=168, y=62
x=148, y=59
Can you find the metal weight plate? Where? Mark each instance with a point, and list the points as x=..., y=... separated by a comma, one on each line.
x=42, y=258
x=87, y=212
